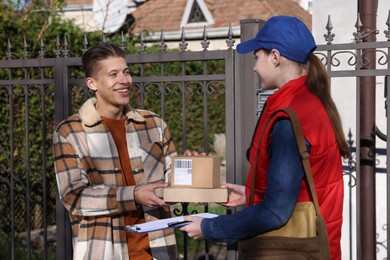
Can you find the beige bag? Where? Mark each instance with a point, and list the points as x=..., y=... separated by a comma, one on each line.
x=305, y=235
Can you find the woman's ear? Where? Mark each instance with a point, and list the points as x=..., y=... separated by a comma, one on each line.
x=275, y=56
x=91, y=84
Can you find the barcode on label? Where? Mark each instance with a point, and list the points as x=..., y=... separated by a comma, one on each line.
x=182, y=172
x=183, y=163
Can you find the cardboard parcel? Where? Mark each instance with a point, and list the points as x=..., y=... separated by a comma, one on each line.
x=195, y=179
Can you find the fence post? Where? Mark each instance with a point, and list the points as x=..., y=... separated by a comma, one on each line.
x=61, y=111
x=245, y=108
x=366, y=146
x=246, y=102
x=387, y=89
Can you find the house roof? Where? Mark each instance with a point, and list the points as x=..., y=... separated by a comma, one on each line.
x=167, y=15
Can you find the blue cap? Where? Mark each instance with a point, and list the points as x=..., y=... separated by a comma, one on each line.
x=287, y=34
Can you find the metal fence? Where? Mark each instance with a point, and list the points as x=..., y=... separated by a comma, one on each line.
x=365, y=62
x=36, y=94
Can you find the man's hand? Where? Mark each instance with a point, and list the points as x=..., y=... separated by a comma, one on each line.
x=146, y=195
x=237, y=195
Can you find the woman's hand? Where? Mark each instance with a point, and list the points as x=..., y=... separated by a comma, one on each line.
x=237, y=195
x=193, y=229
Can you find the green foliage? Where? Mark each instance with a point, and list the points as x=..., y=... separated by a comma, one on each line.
x=24, y=28
x=202, y=104
x=21, y=248
x=194, y=208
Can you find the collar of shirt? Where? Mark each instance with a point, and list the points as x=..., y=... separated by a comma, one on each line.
x=89, y=115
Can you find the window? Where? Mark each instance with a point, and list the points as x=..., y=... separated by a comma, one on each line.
x=196, y=14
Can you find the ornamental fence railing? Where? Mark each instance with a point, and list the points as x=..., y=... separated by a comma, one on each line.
x=201, y=94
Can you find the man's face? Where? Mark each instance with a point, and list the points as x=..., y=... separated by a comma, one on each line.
x=111, y=83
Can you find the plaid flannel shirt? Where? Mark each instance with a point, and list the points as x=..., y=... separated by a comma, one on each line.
x=89, y=180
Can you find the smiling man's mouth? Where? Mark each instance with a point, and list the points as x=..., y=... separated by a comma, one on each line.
x=123, y=90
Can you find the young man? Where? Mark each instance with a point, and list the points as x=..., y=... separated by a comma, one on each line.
x=111, y=163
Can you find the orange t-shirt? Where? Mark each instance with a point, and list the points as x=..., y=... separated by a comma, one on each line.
x=138, y=244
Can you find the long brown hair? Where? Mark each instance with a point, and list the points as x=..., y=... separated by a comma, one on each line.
x=319, y=84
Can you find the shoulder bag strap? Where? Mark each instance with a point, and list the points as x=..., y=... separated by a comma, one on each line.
x=302, y=151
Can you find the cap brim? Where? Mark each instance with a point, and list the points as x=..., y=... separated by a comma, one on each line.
x=248, y=46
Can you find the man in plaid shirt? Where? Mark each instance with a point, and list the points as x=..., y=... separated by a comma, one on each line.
x=111, y=163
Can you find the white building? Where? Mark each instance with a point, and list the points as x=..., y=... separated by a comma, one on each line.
x=88, y=13
x=306, y=4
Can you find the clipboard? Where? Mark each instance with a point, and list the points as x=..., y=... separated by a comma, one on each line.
x=175, y=222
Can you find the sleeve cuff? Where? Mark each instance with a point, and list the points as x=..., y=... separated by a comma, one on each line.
x=212, y=232
x=207, y=229
x=125, y=198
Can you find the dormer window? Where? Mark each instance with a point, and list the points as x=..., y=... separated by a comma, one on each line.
x=196, y=14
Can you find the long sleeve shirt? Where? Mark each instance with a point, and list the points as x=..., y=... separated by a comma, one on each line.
x=284, y=179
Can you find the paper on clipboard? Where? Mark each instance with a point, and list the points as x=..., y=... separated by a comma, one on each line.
x=174, y=222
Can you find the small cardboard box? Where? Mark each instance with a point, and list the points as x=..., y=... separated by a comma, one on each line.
x=196, y=195
x=196, y=171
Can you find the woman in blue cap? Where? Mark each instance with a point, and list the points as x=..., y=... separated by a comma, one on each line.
x=283, y=49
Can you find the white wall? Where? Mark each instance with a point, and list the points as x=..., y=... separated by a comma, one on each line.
x=81, y=17
x=343, y=17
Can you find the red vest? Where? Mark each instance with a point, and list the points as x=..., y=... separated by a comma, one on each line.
x=325, y=158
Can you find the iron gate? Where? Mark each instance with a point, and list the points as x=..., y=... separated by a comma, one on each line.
x=29, y=87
